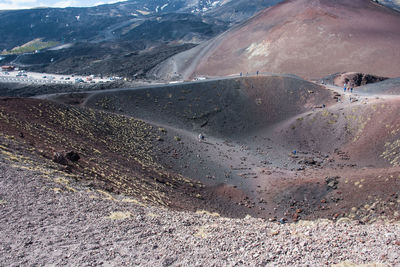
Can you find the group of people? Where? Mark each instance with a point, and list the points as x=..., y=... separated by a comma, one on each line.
x=347, y=87
x=247, y=74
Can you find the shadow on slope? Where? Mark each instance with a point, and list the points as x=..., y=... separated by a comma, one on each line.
x=232, y=107
x=116, y=153
x=353, y=79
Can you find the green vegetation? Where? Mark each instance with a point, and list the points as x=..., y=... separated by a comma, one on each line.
x=31, y=46
x=119, y=215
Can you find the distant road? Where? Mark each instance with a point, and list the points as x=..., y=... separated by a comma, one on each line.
x=28, y=80
x=108, y=33
x=163, y=85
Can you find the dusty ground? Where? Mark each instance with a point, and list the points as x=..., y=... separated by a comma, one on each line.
x=43, y=222
x=140, y=157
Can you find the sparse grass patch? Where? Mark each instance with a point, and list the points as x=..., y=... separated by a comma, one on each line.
x=119, y=215
x=202, y=232
x=350, y=264
x=61, y=180
x=31, y=46
x=107, y=195
x=312, y=223
x=325, y=113
x=214, y=214
x=134, y=201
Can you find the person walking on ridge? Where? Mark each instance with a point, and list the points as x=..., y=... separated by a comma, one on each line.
x=201, y=137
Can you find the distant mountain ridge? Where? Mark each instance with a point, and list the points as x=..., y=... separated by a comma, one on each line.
x=121, y=20
x=139, y=29
x=395, y=4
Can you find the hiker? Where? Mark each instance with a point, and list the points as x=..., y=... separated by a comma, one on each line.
x=201, y=137
x=351, y=89
x=241, y=74
x=344, y=87
x=257, y=73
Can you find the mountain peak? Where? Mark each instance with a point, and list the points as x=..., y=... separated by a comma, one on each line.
x=308, y=38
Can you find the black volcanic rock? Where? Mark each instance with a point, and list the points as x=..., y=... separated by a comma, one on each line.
x=73, y=156
x=128, y=59
x=178, y=26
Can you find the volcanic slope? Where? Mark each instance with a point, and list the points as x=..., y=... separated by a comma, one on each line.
x=311, y=39
x=106, y=153
x=390, y=86
x=277, y=145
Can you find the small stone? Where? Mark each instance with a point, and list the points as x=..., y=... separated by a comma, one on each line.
x=275, y=233
x=343, y=220
x=332, y=182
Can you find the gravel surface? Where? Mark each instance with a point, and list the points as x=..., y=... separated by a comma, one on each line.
x=43, y=221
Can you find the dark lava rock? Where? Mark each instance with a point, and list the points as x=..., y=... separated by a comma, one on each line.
x=59, y=158
x=72, y=156
x=332, y=182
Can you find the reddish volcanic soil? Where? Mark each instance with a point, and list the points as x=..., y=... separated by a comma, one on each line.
x=99, y=182
x=309, y=38
x=346, y=153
